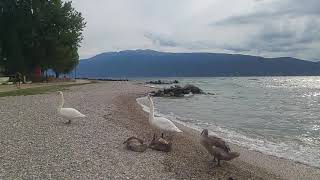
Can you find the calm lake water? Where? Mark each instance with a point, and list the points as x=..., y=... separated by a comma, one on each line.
x=274, y=115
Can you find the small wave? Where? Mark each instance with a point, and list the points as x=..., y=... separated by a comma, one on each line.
x=313, y=94
x=152, y=86
x=189, y=95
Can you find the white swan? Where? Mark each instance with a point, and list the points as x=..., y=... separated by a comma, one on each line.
x=161, y=123
x=68, y=113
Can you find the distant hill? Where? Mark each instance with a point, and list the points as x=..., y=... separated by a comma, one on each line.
x=149, y=63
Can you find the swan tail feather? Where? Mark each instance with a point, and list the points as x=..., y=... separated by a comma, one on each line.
x=179, y=131
x=232, y=155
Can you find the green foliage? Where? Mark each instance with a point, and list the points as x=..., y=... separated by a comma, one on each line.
x=45, y=33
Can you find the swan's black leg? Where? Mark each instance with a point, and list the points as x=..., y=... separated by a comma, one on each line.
x=219, y=163
x=154, y=136
x=214, y=159
x=161, y=135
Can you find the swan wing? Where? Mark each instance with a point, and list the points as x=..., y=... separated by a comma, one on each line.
x=71, y=113
x=218, y=142
x=165, y=124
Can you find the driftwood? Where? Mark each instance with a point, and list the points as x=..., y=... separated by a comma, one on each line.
x=137, y=145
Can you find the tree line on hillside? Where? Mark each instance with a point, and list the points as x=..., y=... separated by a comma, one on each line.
x=42, y=34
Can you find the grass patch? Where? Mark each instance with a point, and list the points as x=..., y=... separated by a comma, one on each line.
x=39, y=90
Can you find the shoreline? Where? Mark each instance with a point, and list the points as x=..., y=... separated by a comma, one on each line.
x=285, y=168
x=37, y=144
x=198, y=130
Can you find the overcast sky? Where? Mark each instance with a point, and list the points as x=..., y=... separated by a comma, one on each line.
x=269, y=28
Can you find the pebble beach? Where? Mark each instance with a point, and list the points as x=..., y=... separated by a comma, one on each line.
x=35, y=143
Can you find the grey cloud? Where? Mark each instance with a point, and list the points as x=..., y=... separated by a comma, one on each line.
x=288, y=39
x=283, y=27
x=278, y=47
x=194, y=45
x=299, y=7
x=167, y=41
x=283, y=9
x=235, y=48
x=160, y=40
x=257, y=17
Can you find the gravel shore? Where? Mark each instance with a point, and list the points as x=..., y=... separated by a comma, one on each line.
x=36, y=144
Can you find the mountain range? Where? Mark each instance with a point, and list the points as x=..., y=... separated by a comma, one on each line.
x=149, y=63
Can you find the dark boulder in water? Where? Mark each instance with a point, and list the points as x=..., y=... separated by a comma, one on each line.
x=178, y=91
x=193, y=89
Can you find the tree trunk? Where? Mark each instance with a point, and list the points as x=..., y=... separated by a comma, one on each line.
x=47, y=76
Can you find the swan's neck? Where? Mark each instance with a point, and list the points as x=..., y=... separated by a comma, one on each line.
x=151, y=114
x=61, y=102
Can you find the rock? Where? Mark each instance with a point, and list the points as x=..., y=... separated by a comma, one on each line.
x=163, y=82
x=193, y=89
x=177, y=91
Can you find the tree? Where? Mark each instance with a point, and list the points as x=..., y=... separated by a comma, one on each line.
x=39, y=33
x=67, y=35
x=16, y=36
x=66, y=60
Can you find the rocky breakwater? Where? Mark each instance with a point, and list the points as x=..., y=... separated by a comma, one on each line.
x=162, y=82
x=177, y=91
